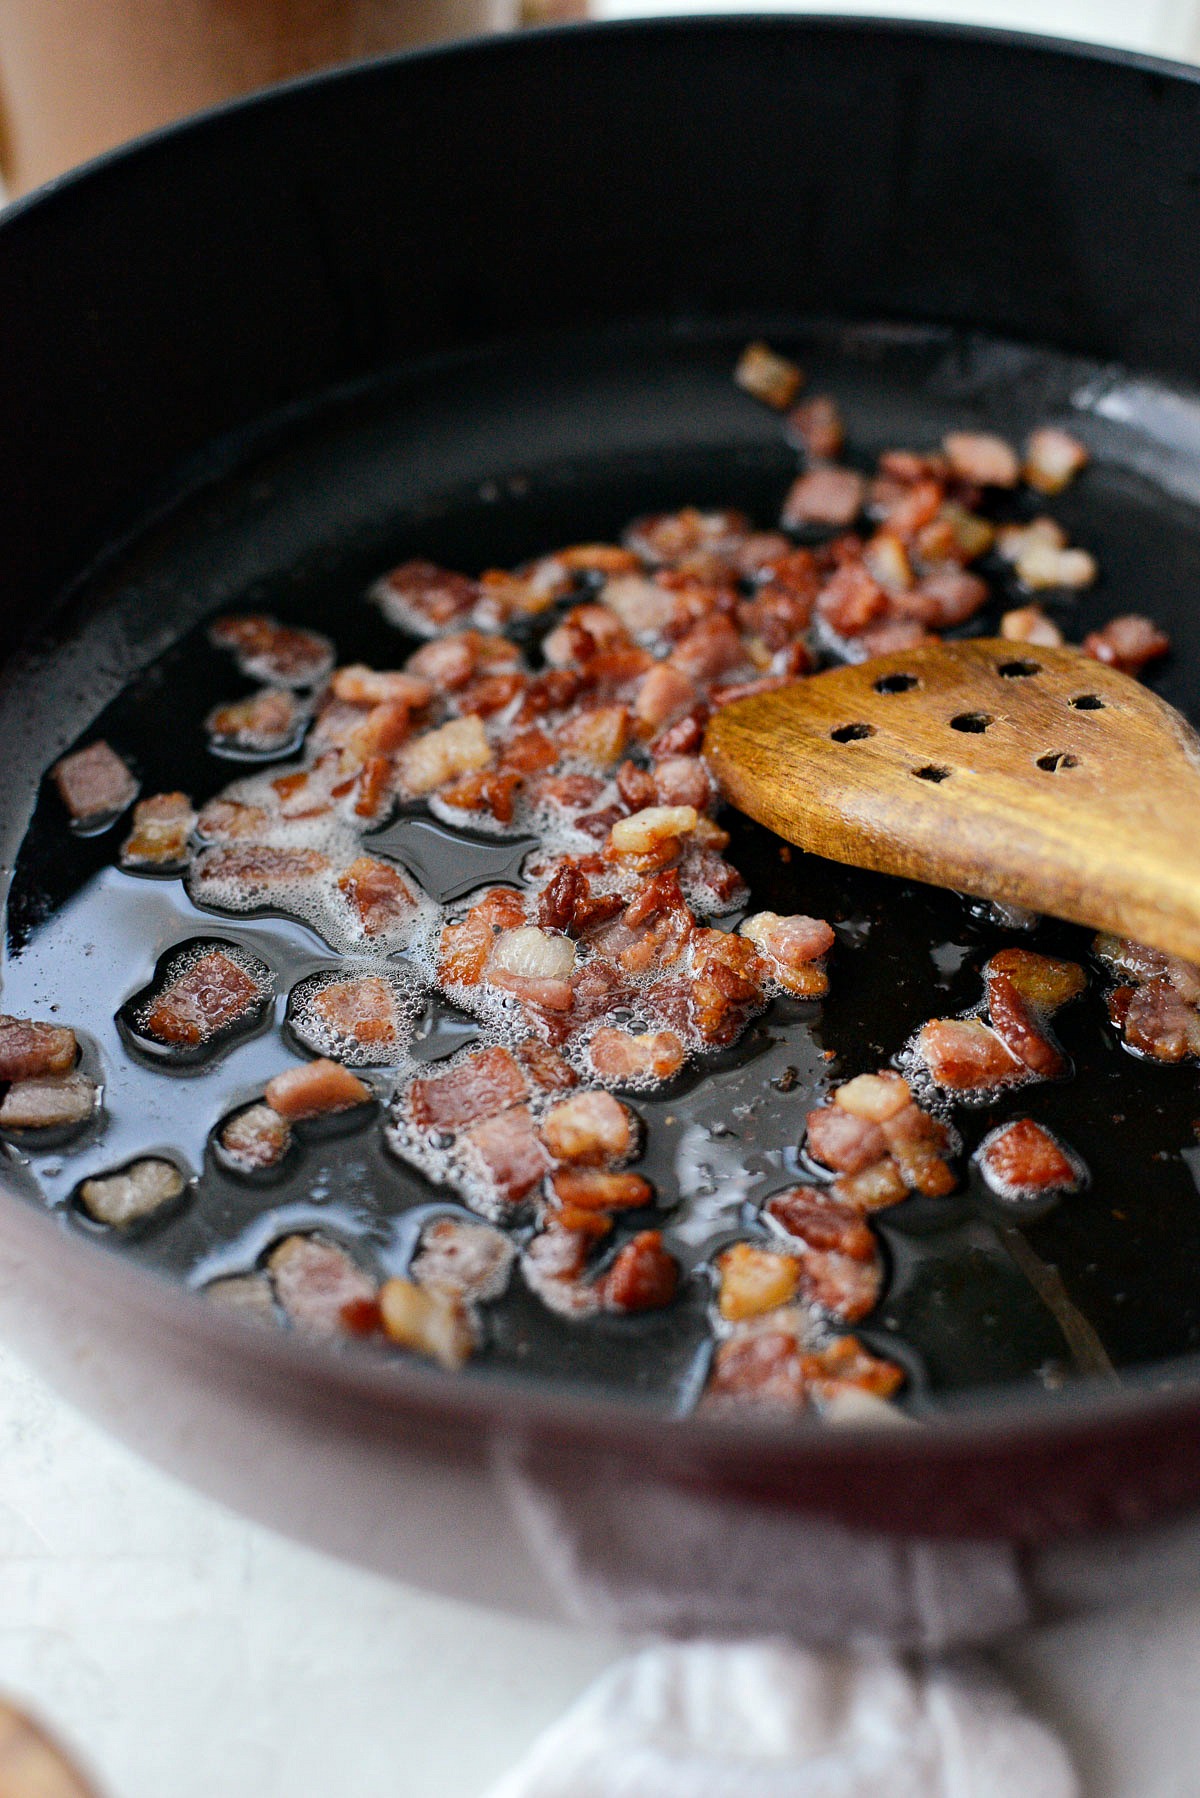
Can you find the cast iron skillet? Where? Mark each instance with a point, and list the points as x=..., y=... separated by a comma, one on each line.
x=478, y=301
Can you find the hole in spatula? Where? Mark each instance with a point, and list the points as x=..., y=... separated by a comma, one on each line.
x=896, y=683
x=930, y=772
x=1058, y=758
x=1019, y=670
x=852, y=733
x=974, y=723
x=1088, y=702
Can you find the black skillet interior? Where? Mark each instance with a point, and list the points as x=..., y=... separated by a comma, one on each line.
x=903, y=175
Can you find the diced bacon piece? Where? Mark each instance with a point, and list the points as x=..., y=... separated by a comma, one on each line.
x=381, y=732
x=591, y=1189
x=590, y=1129
x=316, y=1089
x=211, y=994
x=266, y=650
x=48, y=1102
x=918, y=1144
x=824, y=496
x=1042, y=980
x=663, y=695
x=648, y=831
x=491, y=790
x=762, y=1363
x=643, y=1276
x=1127, y=643
x=362, y=1010
x=908, y=466
x=597, y=558
x=956, y=534
x=636, y=787
x=479, y=1086
x=907, y=510
x=618, y=1055
x=895, y=633
x=505, y=595
x=131, y=1195
x=598, y=735
x=682, y=780
x=308, y=792
x=964, y=1055
x=470, y=1262
x=491, y=694
x=982, y=459
x=1015, y=540
x=465, y=946
x=1149, y=964
x=545, y=1067
x=821, y=1222
x=643, y=608
x=1029, y=624
x=529, y=752
x=533, y=964
x=874, y=1188
x=428, y=761
x=378, y=893
x=430, y=1323
x=726, y=983
x=817, y=425
x=874, y=1097
x=777, y=616
x=944, y=598
x=887, y=559
x=1159, y=1023
x=840, y=1140
x=568, y=903
x=255, y=1139
x=363, y=686
x=314, y=1281
x=583, y=631
x=672, y=536
x=567, y=792
x=1040, y=565
x=373, y=788
x=836, y=1255
x=1024, y=1160
x=94, y=783
x=754, y=1280
x=710, y=648
x=29, y=1048
x=509, y=1152
x=335, y=723
x=767, y=376
x=1016, y=1024
x=790, y=946
x=1053, y=458
x=851, y=600
x=846, y=1366
x=263, y=724
x=419, y=593
x=447, y=663
x=162, y=825
x=240, y=878
x=249, y=1296
x=223, y=819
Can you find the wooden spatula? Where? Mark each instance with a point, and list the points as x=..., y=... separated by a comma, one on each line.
x=1036, y=777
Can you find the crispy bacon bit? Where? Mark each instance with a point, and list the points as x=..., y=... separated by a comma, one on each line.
x=162, y=825
x=48, y=1102
x=1029, y=624
x=568, y=903
x=492, y=790
x=381, y=732
x=591, y=1189
x=264, y=724
x=314, y=1281
x=1024, y=1160
x=254, y=1140
x=507, y=1148
x=378, y=893
x=545, y=1067
x=362, y=686
x=653, y=831
x=137, y=1192
x=754, y=1280
x=529, y=752
x=465, y=946
x=1016, y=1024
x=420, y=595
x=428, y=761
x=590, y=1130
x=790, y=947
x=434, y=1323
x=29, y=1048
x=362, y=1012
x=824, y=496
x=817, y=424
x=597, y=736
x=1127, y=643
x=479, y=1086
x=222, y=819
x=836, y=1253
x=1052, y=459
x=209, y=995
x=1157, y=1021
x=643, y=1277
x=618, y=1055
x=982, y=459
x=281, y=654
x=840, y=1140
x=964, y=1055
x=767, y=376
x=874, y=1098
x=1041, y=980
x=316, y=1089
x=242, y=878
x=726, y=985
x=470, y=1262
x=94, y=784
x=918, y=1144
x=852, y=600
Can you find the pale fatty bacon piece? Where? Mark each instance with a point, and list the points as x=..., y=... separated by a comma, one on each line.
x=982, y=459
x=264, y=724
x=254, y=1140
x=468, y=1261
x=248, y=1296
x=1029, y=624
x=29, y=1048
x=1127, y=643
x=421, y=596
x=648, y=830
x=506, y=1152
x=362, y=686
x=534, y=964
x=282, y=654
x=649, y=1056
x=591, y=1129
x=94, y=784
x=1053, y=458
x=824, y=496
x=1024, y=1160
x=162, y=825
x=430, y=760
x=211, y=993
x=133, y=1193
x=314, y=1281
x=754, y=1279
x=316, y=1089
x=432, y=1323
x=49, y=1102
x=790, y=946
x=1040, y=566
x=767, y=376
x=841, y=1141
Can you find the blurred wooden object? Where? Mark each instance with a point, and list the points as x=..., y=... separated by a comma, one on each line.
x=31, y=1765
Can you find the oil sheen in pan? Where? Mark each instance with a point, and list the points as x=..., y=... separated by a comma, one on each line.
x=965, y=1304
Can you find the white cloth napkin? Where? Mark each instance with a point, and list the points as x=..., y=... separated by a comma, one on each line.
x=769, y=1720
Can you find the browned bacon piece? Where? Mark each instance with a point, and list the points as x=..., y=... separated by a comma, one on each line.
x=568, y=903
x=378, y=893
x=315, y=1281
x=362, y=1010
x=664, y=693
x=673, y=536
x=161, y=827
x=29, y=1048
x=852, y=600
x=263, y=724
x=315, y=1090
x=650, y=1056
x=710, y=648
x=545, y=1067
x=768, y=376
x=1156, y=1020
x=254, y=1139
x=507, y=1149
x=824, y=496
x=643, y=1275
x=1024, y=1160
x=249, y=875
x=982, y=459
x=1041, y=980
x=422, y=593
x=768, y=1361
x=48, y=1102
x=362, y=686
x=223, y=819
x=1016, y=1024
x=942, y=599
x=591, y=1189
x=964, y=1055
x=430, y=760
x=479, y=1086
x=817, y=424
x=491, y=790
x=590, y=1129
x=266, y=650
x=597, y=735
x=791, y=947
x=94, y=783
x=839, y=1140
x=1127, y=643
x=726, y=986
x=209, y=995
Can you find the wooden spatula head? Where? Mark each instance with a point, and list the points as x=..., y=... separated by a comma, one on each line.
x=1034, y=777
